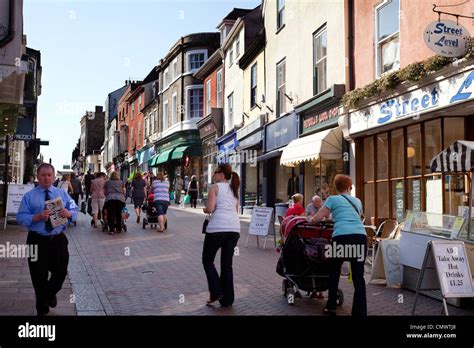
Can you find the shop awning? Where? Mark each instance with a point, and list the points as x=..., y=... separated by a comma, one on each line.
x=163, y=157
x=178, y=152
x=326, y=144
x=457, y=157
x=268, y=155
x=152, y=160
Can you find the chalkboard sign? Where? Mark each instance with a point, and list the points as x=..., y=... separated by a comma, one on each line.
x=449, y=260
x=399, y=200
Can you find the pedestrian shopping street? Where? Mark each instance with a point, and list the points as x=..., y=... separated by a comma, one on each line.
x=143, y=272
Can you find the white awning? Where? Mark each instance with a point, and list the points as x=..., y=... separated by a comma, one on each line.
x=326, y=144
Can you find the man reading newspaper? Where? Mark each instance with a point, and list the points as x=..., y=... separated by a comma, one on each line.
x=45, y=211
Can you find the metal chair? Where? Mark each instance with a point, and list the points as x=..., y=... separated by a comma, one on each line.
x=386, y=230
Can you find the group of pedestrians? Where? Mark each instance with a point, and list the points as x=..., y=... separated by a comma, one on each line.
x=189, y=187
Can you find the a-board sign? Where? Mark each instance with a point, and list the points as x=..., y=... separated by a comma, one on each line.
x=15, y=194
x=386, y=265
x=261, y=221
x=453, y=269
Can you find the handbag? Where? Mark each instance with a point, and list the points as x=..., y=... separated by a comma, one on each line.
x=205, y=223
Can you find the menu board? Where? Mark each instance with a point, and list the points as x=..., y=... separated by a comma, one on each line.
x=416, y=195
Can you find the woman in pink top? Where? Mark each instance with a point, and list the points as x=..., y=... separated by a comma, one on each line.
x=97, y=196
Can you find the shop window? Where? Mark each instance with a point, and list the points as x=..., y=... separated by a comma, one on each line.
x=414, y=194
x=387, y=36
x=250, y=184
x=397, y=154
x=455, y=194
x=432, y=142
x=453, y=130
x=382, y=200
x=434, y=194
x=382, y=156
x=369, y=200
x=413, y=150
x=369, y=159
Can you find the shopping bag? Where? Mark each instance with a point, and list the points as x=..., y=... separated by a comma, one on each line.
x=187, y=199
x=172, y=196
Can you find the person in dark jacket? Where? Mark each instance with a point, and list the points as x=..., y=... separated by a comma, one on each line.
x=76, y=188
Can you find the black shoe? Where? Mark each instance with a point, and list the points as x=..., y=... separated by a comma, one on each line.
x=53, y=303
x=224, y=303
x=329, y=311
x=138, y=219
x=40, y=312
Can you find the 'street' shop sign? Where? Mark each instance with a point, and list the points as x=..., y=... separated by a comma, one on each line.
x=447, y=38
x=450, y=91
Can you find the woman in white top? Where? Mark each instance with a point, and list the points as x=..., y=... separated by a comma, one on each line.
x=223, y=232
x=65, y=184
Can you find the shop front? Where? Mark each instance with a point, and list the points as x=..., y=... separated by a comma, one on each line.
x=397, y=137
x=144, y=156
x=179, y=154
x=227, y=145
x=210, y=128
x=318, y=152
x=279, y=183
x=250, y=140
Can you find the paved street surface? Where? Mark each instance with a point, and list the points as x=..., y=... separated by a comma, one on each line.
x=144, y=272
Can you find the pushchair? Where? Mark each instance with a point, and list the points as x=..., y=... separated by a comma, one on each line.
x=150, y=212
x=303, y=263
x=105, y=226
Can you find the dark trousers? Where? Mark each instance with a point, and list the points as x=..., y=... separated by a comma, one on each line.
x=193, y=195
x=114, y=214
x=52, y=256
x=359, y=303
x=222, y=286
x=75, y=197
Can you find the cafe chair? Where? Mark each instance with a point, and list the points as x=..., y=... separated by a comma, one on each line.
x=386, y=230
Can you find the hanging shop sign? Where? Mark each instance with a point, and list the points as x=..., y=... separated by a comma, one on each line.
x=450, y=91
x=447, y=38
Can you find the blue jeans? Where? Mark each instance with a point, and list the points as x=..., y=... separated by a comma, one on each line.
x=161, y=207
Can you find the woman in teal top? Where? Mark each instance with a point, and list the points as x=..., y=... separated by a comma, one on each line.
x=349, y=243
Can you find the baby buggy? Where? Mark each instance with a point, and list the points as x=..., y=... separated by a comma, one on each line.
x=303, y=263
x=150, y=212
x=104, y=221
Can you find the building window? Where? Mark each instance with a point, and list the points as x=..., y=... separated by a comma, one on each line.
x=174, y=108
x=153, y=122
x=146, y=126
x=231, y=57
x=195, y=102
x=132, y=136
x=195, y=59
x=320, y=45
x=141, y=102
x=165, y=115
x=280, y=13
x=139, y=130
x=133, y=110
x=230, y=111
x=387, y=31
x=253, y=86
x=166, y=78
x=237, y=48
x=208, y=97
x=219, y=88
x=175, y=68
x=281, y=90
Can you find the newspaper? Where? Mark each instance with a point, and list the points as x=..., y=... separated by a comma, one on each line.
x=55, y=205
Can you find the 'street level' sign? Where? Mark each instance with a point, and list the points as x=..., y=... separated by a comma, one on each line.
x=447, y=38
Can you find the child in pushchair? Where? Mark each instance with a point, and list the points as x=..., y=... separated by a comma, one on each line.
x=150, y=212
x=303, y=262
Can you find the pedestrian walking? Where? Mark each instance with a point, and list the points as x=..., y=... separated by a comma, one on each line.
x=223, y=232
x=161, y=192
x=97, y=197
x=65, y=184
x=178, y=187
x=52, y=251
x=186, y=184
x=87, y=183
x=138, y=193
x=76, y=188
x=193, y=191
x=348, y=231
x=114, y=202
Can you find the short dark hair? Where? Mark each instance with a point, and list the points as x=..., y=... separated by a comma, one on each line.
x=44, y=165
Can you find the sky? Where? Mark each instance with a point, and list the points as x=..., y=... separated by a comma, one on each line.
x=90, y=47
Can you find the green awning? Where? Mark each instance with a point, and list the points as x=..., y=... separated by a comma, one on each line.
x=178, y=153
x=164, y=157
x=152, y=161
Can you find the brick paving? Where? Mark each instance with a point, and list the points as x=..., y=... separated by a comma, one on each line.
x=143, y=272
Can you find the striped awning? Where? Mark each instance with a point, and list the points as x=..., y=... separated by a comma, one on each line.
x=457, y=157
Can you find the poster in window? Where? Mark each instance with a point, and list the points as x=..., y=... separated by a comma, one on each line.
x=416, y=195
x=399, y=200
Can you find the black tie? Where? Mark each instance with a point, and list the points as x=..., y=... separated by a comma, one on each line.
x=48, y=225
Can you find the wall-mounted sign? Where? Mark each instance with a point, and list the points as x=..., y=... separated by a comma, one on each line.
x=447, y=38
x=316, y=121
x=452, y=90
x=280, y=132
